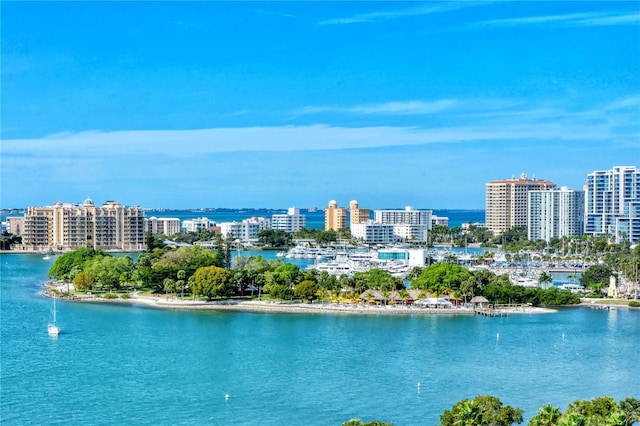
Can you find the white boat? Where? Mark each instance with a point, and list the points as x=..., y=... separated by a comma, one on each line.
x=46, y=257
x=53, y=329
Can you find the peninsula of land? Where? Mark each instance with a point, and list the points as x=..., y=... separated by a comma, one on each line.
x=261, y=306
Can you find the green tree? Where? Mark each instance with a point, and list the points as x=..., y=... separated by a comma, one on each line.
x=213, y=281
x=481, y=410
x=274, y=238
x=306, y=290
x=7, y=240
x=596, y=276
x=546, y=416
x=358, y=422
x=441, y=275
x=153, y=242
x=378, y=279
x=84, y=281
x=181, y=275
x=76, y=259
x=545, y=279
x=108, y=270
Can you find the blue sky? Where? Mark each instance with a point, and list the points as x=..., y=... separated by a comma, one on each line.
x=279, y=104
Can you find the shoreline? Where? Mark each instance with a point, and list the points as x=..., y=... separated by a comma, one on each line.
x=257, y=306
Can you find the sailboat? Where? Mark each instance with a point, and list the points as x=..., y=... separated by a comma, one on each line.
x=53, y=329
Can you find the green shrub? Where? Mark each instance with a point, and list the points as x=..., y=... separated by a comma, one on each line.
x=124, y=296
x=634, y=304
x=109, y=296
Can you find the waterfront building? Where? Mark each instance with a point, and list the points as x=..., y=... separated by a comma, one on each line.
x=358, y=215
x=439, y=220
x=194, y=225
x=371, y=232
x=612, y=203
x=411, y=233
x=335, y=218
x=247, y=230
x=15, y=225
x=413, y=257
x=407, y=216
x=164, y=225
x=292, y=221
x=65, y=226
x=555, y=213
x=506, y=201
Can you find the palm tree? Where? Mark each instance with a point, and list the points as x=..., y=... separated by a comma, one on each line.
x=180, y=283
x=168, y=286
x=572, y=419
x=545, y=279
x=404, y=295
x=469, y=414
x=546, y=416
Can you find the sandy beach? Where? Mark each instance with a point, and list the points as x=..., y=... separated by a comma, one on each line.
x=242, y=305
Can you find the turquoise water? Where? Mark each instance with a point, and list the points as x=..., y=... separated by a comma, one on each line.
x=134, y=365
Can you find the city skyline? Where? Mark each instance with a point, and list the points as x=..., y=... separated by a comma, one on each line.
x=279, y=104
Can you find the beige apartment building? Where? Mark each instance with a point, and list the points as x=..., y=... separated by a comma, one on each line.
x=358, y=215
x=335, y=218
x=65, y=226
x=506, y=201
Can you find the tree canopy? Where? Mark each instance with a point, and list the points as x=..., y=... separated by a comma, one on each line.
x=69, y=264
x=212, y=282
x=481, y=410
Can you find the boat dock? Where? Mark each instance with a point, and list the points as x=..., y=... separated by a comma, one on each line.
x=501, y=310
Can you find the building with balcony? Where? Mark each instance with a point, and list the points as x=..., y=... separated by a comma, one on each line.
x=612, y=203
x=292, y=221
x=65, y=226
x=194, y=225
x=555, y=213
x=409, y=216
x=358, y=215
x=247, y=230
x=506, y=201
x=15, y=224
x=371, y=232
x=164, y=225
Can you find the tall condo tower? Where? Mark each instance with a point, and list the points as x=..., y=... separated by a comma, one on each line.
x=358, y=215
x=612, y=203
x=506, y=201
x=335, y=218
x=555, y=213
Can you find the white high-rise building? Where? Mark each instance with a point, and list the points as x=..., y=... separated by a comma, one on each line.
x=612, y=203
x=292, y=221
x=409, y=225
x=555, y=213
x=407, y=216
x=371, y=232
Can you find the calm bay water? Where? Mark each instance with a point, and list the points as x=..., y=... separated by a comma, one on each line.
x=134, y=365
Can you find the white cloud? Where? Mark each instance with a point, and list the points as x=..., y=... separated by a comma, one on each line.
x=394, y=14
x=459, y=121
x=392, y=108
x=572, y=19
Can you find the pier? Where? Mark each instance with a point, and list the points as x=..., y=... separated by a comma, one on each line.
x=501, y=310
